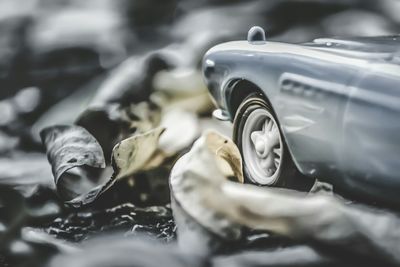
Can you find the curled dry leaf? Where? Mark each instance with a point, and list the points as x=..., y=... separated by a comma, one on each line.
x=128, y=157
x=228, y=157
x=131, y=154
x=78, y=163
x=158, y=159
x=212, y=159
x=75, y=155
x=113, y=123
x=319, y=219
x=182, y=129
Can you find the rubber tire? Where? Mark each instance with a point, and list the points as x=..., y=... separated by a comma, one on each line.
x=289, y=177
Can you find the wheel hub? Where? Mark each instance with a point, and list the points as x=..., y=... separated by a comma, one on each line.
x=262, y=146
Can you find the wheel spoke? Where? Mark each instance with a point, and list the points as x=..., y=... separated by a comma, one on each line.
x=277, y=161
x=277, y=151
x=264, y=164
x=269, y=126
x=274, y=138
x=274, y=129
x=264, y=127
x=255, y=136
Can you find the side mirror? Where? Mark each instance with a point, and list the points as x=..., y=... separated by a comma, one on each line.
x=256, y=35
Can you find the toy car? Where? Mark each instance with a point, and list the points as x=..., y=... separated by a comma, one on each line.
x=327, y=109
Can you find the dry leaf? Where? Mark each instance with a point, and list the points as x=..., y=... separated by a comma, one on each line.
x=75, y=156
x=78, y=163
x=181, y=130
x=131, y=154
x=321, y=220
x=199, y=168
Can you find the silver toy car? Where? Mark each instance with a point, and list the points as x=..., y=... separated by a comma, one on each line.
x=328, y=109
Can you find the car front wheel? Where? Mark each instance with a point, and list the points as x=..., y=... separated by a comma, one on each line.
x=266, y=158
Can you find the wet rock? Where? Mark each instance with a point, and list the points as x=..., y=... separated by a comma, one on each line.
x=153, y=221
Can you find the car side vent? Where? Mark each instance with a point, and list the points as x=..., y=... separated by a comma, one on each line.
x=299, y=85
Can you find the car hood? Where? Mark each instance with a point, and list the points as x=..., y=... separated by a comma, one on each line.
x=358, y=46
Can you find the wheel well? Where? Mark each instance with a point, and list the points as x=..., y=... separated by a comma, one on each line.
x=240, y=90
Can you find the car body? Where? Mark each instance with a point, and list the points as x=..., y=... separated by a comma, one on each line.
x=337, y=101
